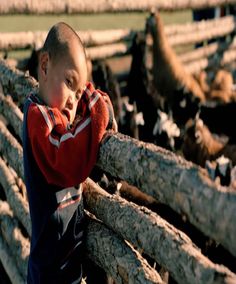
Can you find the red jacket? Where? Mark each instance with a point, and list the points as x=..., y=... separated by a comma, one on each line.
x=66, y=157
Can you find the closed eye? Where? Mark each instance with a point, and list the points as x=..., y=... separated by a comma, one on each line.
x=69, y=83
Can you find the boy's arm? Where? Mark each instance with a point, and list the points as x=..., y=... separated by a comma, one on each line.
x=66, y=158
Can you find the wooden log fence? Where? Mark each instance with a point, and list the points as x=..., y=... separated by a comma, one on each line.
x=182, y=34
x=22, y=40
x=172, y=180
x=210, y=50
x=215, y=62
x=156, y=237
x=83, y=6
x=169, y=179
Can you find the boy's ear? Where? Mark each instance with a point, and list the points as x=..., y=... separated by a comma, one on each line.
x=43, y=63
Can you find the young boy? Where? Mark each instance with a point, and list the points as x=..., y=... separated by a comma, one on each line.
x=63, y=126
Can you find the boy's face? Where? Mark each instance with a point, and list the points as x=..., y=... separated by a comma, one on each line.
x=62, y=82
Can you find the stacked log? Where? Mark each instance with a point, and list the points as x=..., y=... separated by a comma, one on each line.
x=156, y=172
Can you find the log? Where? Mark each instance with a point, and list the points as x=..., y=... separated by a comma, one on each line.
x=18, y=244
x=117, y=257
x=18, y=204
x=188, y=33
x=16, y=83
x=203, y=31
x=110, y=50
x=192, y=27
x=206, y=51
x=12, y=150
x=216, y=62
x=172, y=180
x=170, y=247
x=83, y=6
x=9, y=264
x=30, y=39
x=12, y=113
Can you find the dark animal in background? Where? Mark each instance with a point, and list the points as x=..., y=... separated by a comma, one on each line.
x=105, y=80
x=130, y=119
x=220, y=119
x=185, y=106
x=220, y=169
x=140, y=88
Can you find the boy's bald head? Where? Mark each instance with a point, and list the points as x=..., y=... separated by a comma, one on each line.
x=59, y=39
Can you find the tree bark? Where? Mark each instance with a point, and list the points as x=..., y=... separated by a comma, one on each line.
x=83, y=6
x=22, y=40
x=18, y=244
x=16, y=83
x=170, y=247
x=18, y=204
x=172, y=180
x=12, y=113
x=9, y=264
x=11, y=149
x=117, y=257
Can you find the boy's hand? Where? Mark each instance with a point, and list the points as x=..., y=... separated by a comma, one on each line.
x=114, y=125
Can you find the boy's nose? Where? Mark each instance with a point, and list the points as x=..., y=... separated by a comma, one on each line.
x=70, y=102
